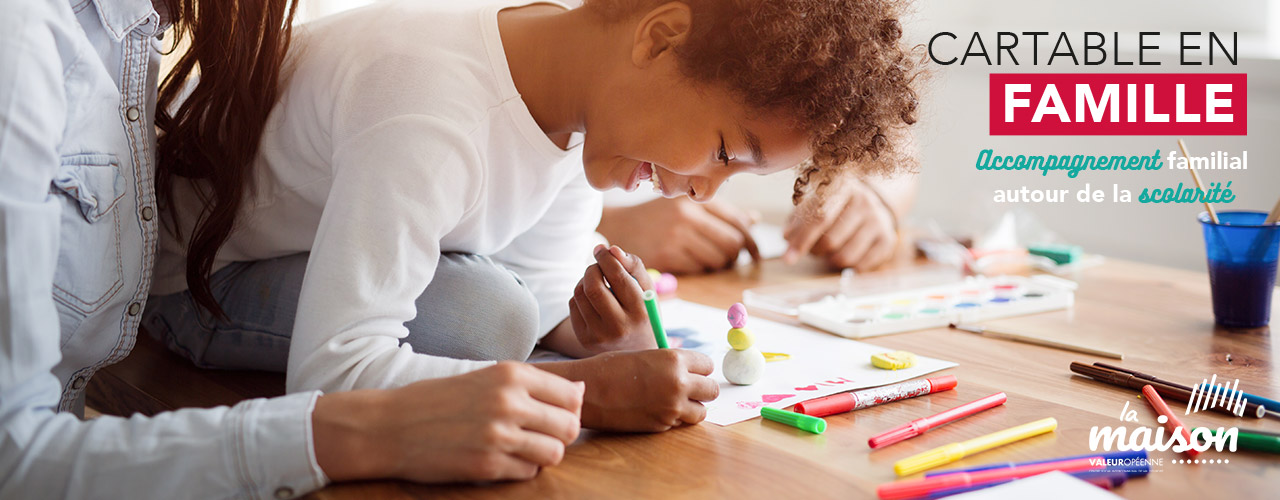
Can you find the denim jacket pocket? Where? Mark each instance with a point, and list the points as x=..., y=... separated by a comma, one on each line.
x=93, y=181
x=89, y=269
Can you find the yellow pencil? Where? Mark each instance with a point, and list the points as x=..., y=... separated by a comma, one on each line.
x=943, y=455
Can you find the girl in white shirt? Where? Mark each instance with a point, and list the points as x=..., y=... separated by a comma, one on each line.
x=417, y=139
x=80, y=103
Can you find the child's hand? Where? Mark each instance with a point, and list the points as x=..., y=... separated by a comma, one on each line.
x=642, y=391
x=852, y=228
x=680, y=236
x=610, y=315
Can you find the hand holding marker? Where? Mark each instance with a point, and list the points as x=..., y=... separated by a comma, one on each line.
x=608, y=311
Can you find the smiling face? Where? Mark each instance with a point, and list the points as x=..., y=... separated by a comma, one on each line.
x=690, y=139
x=649, y=122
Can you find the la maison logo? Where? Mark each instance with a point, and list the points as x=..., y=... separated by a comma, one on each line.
x=1144, y=438
x=1208, y=395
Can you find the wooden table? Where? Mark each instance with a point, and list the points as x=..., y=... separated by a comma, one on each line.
x=1159, y=317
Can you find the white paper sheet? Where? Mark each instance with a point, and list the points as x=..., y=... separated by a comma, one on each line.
x=821, y=364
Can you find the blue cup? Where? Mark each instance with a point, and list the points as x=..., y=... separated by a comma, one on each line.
x=1242, y=266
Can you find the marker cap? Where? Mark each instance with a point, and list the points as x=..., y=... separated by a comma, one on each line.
x=797, y=420
x=943, y=383
x=830, y=405
x=900, y=433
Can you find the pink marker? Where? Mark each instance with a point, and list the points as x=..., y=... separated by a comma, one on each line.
x=921, y=425
x=918, y=488
x=857, y=400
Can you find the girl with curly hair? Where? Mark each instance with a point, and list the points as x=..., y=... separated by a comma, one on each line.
x=424, y=194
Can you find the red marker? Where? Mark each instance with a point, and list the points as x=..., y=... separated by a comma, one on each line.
x=857, y=400
x=921, y=425
x=1173, y=424
x=917, y=488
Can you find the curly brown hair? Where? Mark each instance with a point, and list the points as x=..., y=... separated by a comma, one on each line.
x=837, y=66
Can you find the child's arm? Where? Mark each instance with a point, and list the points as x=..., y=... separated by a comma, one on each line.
x=550, y=255
x=374, y=254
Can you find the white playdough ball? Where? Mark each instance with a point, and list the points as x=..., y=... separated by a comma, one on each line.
x=743, y=367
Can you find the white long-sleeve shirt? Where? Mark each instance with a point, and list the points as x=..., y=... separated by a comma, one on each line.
x=78, y=231
x=401, y=135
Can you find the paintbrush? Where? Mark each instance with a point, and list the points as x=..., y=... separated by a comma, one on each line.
x=1027, y=339
x=1213, y=215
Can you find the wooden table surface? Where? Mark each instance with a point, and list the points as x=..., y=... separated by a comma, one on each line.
x=1160, y=318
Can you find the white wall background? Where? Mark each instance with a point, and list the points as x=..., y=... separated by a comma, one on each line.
x=954, y=125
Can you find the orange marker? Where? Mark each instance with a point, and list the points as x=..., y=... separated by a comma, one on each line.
x=1173, y=424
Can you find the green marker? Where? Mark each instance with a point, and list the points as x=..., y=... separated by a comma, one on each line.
x=1251, y=441
x=651, y=304
x=798, y=420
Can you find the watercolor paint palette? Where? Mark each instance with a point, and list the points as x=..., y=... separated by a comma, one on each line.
x=972, y=300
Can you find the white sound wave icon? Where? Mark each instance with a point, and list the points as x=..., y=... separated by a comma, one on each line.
x=1208, y=395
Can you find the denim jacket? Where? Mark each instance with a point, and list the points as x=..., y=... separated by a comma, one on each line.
x=78, y=228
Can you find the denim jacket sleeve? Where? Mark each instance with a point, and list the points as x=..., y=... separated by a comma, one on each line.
x=256, y=449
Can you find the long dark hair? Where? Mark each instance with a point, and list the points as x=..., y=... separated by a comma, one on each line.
x=237, y=49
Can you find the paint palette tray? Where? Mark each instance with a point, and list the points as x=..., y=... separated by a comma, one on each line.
x=972, y=300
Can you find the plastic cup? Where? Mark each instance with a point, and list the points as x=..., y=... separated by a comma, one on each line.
x=1242, y=253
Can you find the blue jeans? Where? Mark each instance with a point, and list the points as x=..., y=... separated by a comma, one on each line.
x=473, y=309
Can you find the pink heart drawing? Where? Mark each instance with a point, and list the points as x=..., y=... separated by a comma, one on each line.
x=807, y=388
x=749, y=405
x=774, y=398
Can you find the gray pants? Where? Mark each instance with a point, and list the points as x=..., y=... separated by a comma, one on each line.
x=473, y=309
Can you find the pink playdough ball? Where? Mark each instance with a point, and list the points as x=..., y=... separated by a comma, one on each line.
x=665, y=284
x=738, y=315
